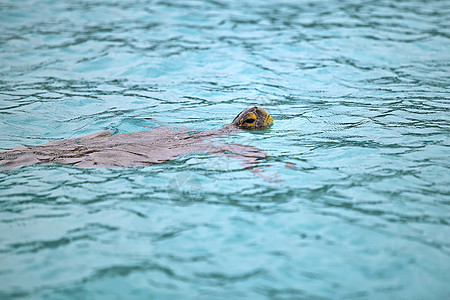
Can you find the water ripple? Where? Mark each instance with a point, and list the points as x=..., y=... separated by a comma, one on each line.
x=352, y=200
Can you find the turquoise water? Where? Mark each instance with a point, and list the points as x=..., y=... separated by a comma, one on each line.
x=352, y=202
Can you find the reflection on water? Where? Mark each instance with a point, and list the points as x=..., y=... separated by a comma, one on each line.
x=351, y=202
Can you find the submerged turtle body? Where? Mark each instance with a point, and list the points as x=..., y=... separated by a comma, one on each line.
x=104, y=149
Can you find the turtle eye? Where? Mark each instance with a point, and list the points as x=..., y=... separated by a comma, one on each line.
x=249, y=121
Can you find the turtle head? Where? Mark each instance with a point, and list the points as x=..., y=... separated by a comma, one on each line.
x=253, y=118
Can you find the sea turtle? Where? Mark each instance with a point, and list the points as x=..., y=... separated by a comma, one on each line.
x=163, y=143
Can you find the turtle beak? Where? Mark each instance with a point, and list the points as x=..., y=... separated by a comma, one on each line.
x=267, y=120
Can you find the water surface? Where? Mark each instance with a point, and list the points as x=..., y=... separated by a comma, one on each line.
x=352, y=202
